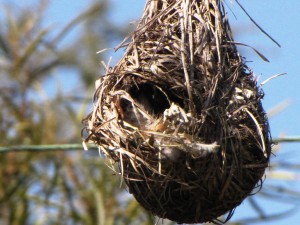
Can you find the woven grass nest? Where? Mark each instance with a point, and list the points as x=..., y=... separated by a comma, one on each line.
x=180, y=115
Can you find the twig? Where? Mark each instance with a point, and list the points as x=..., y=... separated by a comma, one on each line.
x=38, y=148
x=286, y=139
x=76, y=147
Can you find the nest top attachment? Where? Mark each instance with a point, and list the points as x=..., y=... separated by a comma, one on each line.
x=180, y=115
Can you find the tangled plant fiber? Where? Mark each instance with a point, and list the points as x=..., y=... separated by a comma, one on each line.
x=180, y=115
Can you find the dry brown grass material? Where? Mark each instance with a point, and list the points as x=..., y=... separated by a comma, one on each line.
x=180, y=115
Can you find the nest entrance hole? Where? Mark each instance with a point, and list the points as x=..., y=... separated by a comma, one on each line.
x=147, y=102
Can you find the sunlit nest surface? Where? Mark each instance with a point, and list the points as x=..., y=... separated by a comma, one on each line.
x=180, y=115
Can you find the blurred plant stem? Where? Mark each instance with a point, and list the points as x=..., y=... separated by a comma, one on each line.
x=34, y=148
x=73, y=147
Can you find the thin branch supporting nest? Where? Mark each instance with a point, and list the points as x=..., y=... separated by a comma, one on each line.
x=181, y=115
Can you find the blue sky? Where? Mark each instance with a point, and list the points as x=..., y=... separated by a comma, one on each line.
x=280, y=18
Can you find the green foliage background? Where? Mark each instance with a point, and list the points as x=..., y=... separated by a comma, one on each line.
x=65, y=187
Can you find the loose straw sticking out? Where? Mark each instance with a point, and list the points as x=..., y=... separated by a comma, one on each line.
x=259, y=27
x=85, y=146
x=272, y=77
x=259, y=131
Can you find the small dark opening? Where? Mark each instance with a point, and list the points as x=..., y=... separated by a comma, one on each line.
x=149, y=96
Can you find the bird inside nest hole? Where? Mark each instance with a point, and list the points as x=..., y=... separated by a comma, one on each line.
x=146, y=109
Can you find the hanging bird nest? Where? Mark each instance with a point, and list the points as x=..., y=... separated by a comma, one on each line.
x=180, y=115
